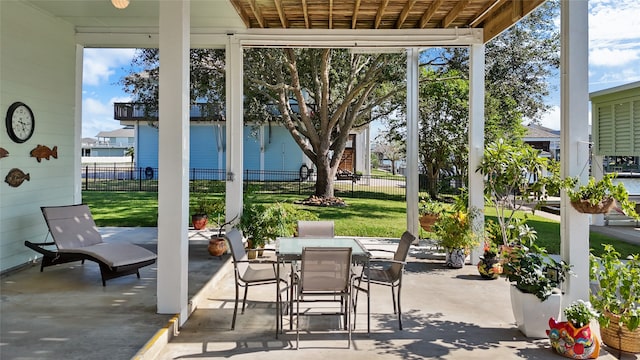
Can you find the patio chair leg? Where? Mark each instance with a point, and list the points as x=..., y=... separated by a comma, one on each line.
x=244, y=299
x=235, y=308
x=393, y=298
x=399, y=310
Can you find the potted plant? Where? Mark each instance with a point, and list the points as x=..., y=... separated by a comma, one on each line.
x=599, y=197
x=574, y=338
x=489, y=265
x=217, y=243
x=204, y=208
x=516, y=176
x=252, y=224
x=454, y=232
x=535, y=277
x=429, y=211
x=617, y=298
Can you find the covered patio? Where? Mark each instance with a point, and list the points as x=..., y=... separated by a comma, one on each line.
x=53, y=90
x=448, y=314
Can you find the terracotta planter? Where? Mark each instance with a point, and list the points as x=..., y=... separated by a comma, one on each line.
x=217, y=246
x=199, y=221
x=427, y=220
x=619, y=337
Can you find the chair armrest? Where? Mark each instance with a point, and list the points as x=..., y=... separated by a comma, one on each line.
x=381, y=250
x=385, y=260
x=257, y=261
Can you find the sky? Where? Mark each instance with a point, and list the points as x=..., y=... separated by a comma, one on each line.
x=614, y=60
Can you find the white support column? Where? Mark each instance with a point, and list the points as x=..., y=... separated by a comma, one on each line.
x=77, y=148
x=574, y=153
x=412, y=140
x=173, y=158
x=476, y=139
x=235, y=127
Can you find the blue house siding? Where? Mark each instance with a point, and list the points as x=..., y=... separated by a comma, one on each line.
x=147, y=147
x=251, y=150
x=203, y=152
x=281, y=153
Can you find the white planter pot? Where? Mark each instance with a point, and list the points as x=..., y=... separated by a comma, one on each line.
x=531, y=314
x=455, y=258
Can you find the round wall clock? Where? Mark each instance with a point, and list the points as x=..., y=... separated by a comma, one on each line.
x=20, y=122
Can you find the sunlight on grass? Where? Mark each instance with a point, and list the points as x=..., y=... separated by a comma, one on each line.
x=362, y=217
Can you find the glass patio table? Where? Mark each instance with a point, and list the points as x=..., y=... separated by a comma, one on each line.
x=289, y=249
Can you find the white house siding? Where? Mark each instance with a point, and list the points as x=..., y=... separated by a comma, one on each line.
x=37, y=67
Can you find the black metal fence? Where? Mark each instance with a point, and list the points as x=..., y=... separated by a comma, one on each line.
x=120, y=177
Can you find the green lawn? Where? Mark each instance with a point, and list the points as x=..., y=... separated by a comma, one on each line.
x=362, y=217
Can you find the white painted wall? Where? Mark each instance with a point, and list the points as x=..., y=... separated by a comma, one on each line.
x=37, y=67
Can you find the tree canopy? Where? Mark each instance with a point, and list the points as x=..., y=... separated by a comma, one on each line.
x=319, y=95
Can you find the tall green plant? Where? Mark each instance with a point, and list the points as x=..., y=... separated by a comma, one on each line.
x=618, y=290
x=515, y=176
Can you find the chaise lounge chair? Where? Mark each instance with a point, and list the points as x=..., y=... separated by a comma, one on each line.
x=76, y=238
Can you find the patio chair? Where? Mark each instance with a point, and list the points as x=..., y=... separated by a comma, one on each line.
x=251, y=272
x=325, y=275
x=315, y=228
x=387, y=272
x=76, y=238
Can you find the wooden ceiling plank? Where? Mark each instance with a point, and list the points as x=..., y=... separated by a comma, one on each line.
x=354, y=17
x=330, y=14
x=305, y=11
x=453, y=14
x=283, y=18
x=516, y=10
x=405, y=13
x=503, y=17
x=424, y=20
x=381, y=11
x=256, y=12
x=237, y=4
x=485, y=12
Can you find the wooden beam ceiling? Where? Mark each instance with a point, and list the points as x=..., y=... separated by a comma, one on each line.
x=494, y=16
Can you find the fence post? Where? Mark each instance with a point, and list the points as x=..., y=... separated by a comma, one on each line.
x=86, y=177
x=140, y=179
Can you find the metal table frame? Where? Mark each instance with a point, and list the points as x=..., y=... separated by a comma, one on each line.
x=289, y=249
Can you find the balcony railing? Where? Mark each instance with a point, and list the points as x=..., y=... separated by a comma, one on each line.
x=149, y=112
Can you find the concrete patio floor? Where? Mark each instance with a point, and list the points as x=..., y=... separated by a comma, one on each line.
x=65, y=313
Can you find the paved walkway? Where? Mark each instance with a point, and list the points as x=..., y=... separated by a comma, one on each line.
x=65, y=313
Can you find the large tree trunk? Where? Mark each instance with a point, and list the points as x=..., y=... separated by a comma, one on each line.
x=326, y=175
x=432, y=180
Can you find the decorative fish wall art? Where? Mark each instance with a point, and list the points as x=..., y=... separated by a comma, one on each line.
x=44, y=152
x=16, y=177
x=3, y=153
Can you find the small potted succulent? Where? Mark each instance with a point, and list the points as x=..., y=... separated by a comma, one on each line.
x=574, y=338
